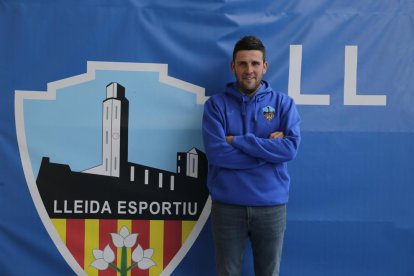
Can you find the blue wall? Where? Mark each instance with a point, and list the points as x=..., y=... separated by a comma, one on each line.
x=350, y=210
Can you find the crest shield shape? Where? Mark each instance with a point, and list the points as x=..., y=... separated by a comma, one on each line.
x=113, y=198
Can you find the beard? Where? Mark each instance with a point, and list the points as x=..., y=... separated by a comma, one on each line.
x=249, y=86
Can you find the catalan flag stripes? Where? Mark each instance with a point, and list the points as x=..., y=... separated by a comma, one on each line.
x=127, y=224
x=91, y=243
x=82, y=236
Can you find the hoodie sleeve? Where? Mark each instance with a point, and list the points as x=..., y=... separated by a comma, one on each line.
x=274, y=150
x=219, y=152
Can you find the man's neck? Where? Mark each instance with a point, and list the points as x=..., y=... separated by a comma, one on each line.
x=249, y=93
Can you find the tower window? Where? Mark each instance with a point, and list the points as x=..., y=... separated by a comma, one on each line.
x=193, y=165
x=160, y=180
x=172, y=183
x=132, y=178
x=146, y=177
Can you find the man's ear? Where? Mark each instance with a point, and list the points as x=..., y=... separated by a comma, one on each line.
x=232, y=67
x=265, y=65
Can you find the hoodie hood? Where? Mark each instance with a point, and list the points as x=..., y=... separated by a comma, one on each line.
x=234, y=92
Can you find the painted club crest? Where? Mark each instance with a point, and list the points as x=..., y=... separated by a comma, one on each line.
x=115, y=167
x=268, y=112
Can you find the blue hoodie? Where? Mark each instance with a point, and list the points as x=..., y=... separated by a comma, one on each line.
x=252, y=170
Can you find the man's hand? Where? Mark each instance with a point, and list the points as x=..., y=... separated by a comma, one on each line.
x=276, y=134
x=229, y=139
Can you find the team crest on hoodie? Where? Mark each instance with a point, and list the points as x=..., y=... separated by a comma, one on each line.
x=268, y=112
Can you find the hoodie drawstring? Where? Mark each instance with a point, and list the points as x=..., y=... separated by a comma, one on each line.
x=256, y=100
x=255, y=108
x=243, y=107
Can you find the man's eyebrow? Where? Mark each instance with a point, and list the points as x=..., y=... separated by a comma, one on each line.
x=245, y=62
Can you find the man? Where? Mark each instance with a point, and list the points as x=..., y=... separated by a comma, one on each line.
x=249, y=132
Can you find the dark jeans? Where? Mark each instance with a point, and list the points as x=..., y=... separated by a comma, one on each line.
x=232, y=225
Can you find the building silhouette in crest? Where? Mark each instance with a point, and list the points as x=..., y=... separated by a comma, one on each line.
x=116, y=179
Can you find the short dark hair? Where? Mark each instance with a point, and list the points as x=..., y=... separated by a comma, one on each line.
x=249, y=42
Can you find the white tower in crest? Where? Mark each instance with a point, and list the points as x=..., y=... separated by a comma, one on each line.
x=114, y=132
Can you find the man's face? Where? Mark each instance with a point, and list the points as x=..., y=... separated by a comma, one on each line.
x=249, y=68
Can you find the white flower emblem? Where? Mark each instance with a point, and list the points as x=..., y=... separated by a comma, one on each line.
x=103, y=258
x=123, y=240
x=143, y=257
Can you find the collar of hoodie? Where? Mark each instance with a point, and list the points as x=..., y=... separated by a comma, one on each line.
x=255, y=99
x=264, y=89
x=258, y=97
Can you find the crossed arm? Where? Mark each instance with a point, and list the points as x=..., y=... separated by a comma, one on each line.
x=247, y=151
x=273, y=135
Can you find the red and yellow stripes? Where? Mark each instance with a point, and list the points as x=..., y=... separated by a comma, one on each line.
x=82, y=236
x=91, y=243
x=106, y=227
